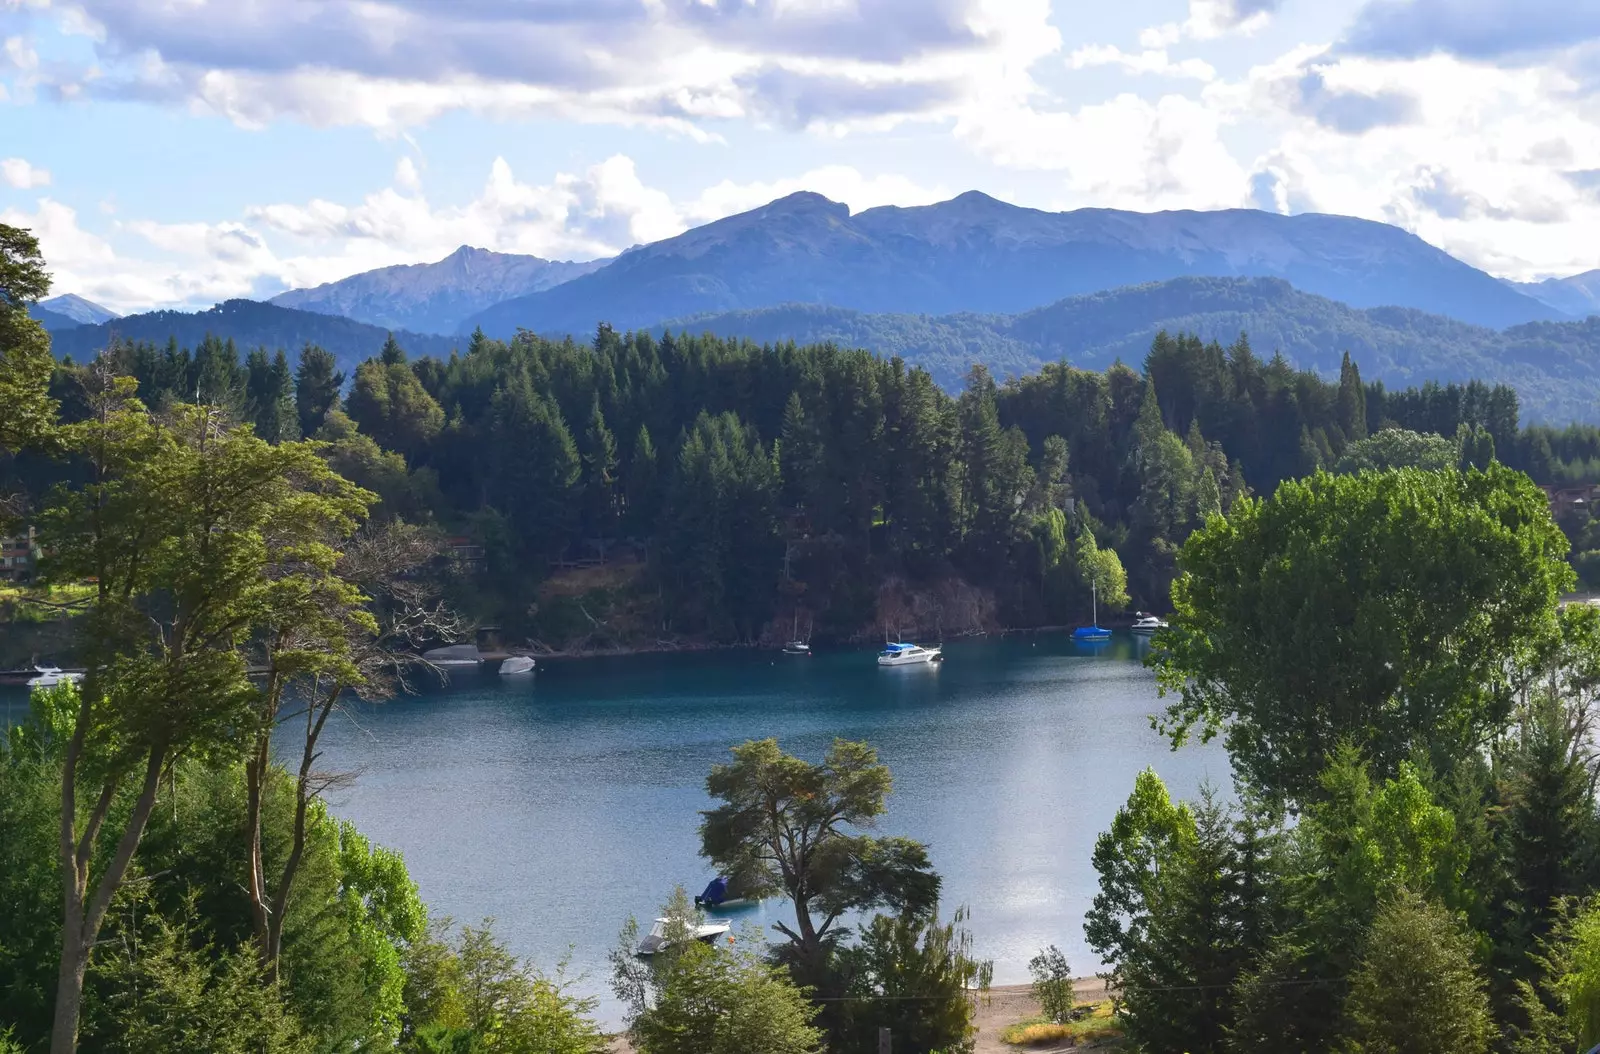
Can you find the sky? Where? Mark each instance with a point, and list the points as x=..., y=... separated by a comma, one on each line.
x=176, y=153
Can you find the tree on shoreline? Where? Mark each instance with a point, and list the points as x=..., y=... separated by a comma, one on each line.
x=1388, y=609
x=790, y=828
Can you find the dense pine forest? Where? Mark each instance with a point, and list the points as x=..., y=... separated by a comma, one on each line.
x=641, y=489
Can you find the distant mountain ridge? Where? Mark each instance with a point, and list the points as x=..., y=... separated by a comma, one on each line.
x=436, y=297
x=75, y=307
x=251, y=324
x=974, y=253
x=1555, y=366
x=1578, y=295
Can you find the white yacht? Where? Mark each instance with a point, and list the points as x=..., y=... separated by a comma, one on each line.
x=517, y=664
x=908, y=655
x=50, y=676
x=1148, y=624
x=656, y=939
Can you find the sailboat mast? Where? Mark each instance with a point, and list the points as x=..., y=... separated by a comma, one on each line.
x=1094, y=601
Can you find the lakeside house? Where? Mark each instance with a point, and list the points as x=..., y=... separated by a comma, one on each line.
x=19, y=556
x=1570, y=498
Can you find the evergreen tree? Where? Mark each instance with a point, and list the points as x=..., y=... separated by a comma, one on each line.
x=392, y=354
x=599, y=476
x=535, y=469
x=1208, y=497
x=317, y=382
x=642, y=488
x=1352, y=415
x=390, y=404
x=1417, y=988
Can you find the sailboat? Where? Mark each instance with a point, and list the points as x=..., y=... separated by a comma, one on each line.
x=1093, y=631
x=796, y=646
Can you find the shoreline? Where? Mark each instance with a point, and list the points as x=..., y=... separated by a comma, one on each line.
x=702, y=647
x=1002, y=1005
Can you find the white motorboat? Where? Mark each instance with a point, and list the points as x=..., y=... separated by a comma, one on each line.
x=517, y=664
x=454, y=655
x=908, y=655
x=656, y=940
x=1148, y=624
x=50, y=676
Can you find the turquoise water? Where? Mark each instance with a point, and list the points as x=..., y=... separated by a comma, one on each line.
x=561, y=803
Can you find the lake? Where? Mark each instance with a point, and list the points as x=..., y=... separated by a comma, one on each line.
x=563, y=802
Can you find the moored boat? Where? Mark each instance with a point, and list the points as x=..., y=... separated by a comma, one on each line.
x=50, y=676
x=516, y=664
x=719, y=894
x=909, y=655
x=657, y=940
x=1094, y=631
x=454, y=655
x=1147, y=624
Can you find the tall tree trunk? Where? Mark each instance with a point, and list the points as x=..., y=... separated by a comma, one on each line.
x=274, y=916
x=80, y=922
x=255, y=776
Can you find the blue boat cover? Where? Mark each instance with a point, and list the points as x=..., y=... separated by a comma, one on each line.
x=716, y=892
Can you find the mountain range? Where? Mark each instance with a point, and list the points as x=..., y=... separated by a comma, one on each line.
x=436, y=297
x=970, y=279
x=974, y=253
x=1578, y=295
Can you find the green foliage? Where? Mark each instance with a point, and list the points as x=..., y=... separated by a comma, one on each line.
x=1417, y=988
x=466, y=994
x=1388, y=608
x=716, y=1000
x=721, y=531
x=1397, y=448
x=169, y=992
x=787, y=827
x=27, y=413
x=1357, y=847
x=1177, y=917
x=916, y=977
x=317, y=382
x=1052, y=984
x=389, y=404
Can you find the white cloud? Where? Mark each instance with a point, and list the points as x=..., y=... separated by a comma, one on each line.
x=676, y=64
x=1210, y=19
x=1151, y=60
x=1481, y=164
x=18, y=173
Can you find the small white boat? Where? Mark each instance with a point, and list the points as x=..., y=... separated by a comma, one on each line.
x=1147, y=624
x=454, y=655
x=656, y=939
x=517, y=664
x=908, y=655
x=50, y=676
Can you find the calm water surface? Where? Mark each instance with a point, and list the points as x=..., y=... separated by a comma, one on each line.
x=561, y=803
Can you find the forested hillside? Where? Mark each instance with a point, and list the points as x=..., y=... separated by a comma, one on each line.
x=1555, y=367
x=696, y=489
x=246, y=324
